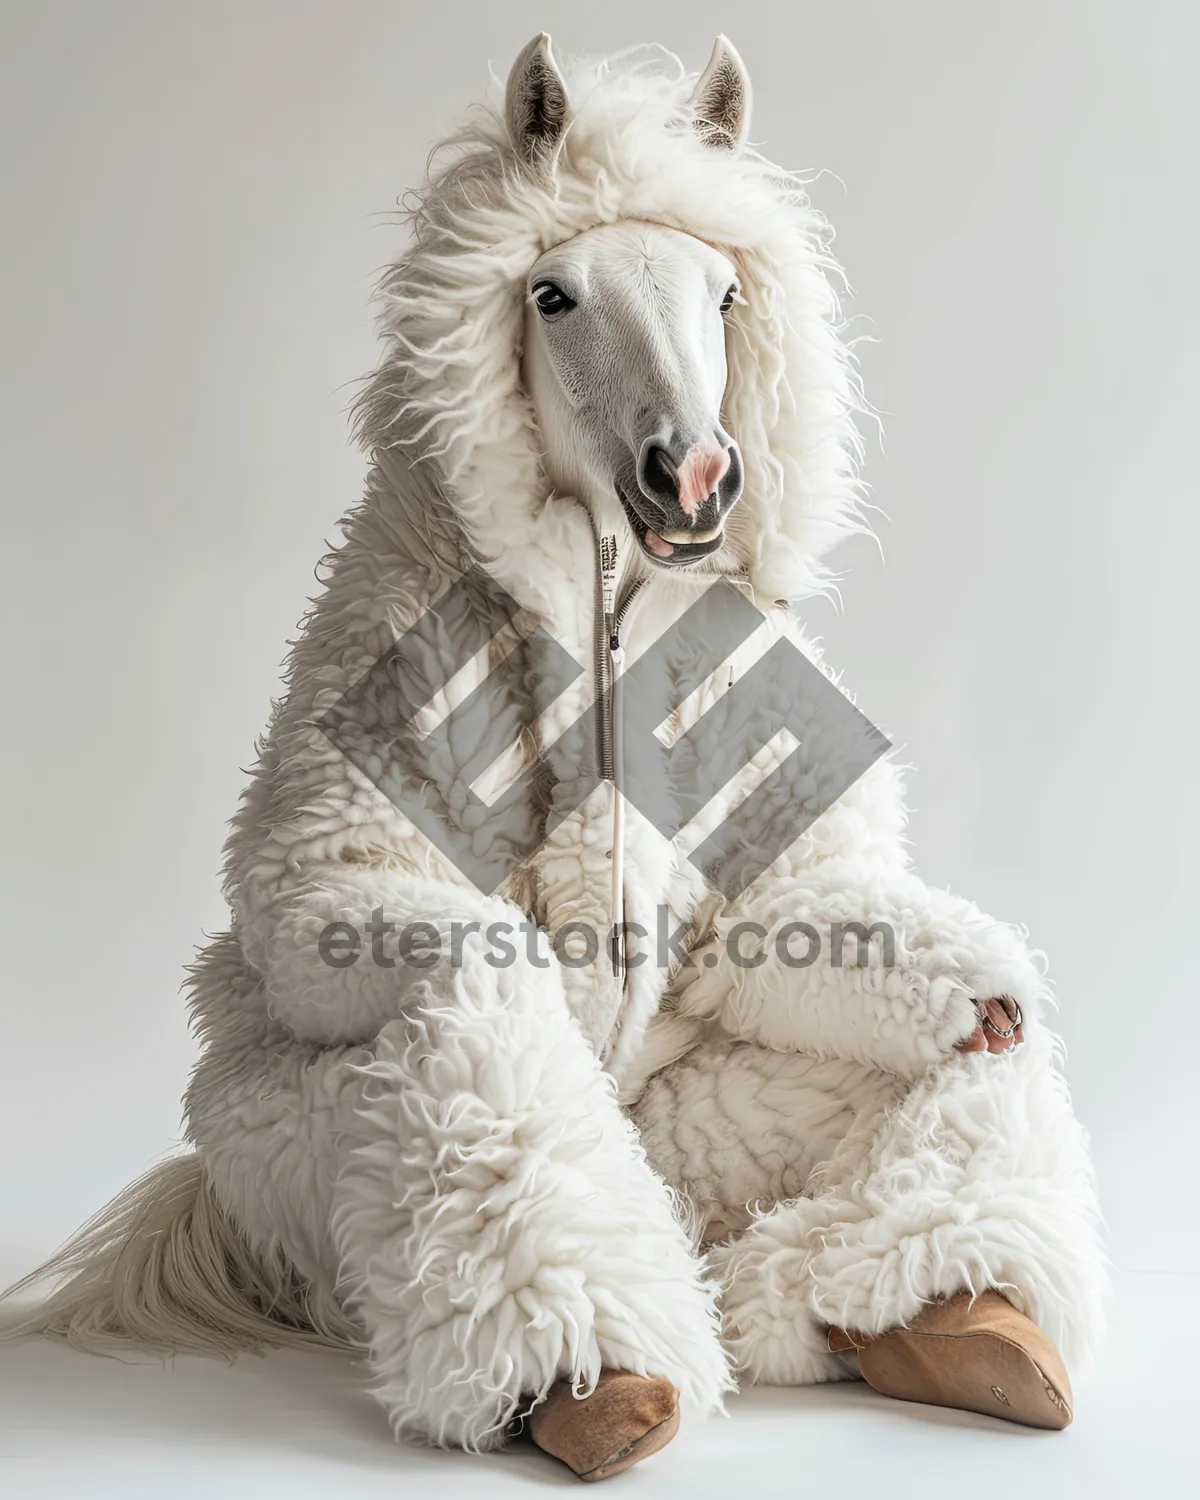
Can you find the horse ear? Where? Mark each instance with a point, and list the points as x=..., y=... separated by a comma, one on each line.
x=536, y=108
x=721, y=103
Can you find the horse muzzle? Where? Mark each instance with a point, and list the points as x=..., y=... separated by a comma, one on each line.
x=684, y=493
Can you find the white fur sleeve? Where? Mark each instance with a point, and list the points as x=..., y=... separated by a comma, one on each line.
x=346, y=951
x=884, y=972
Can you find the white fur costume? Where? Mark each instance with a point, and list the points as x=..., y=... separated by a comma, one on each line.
x=441, y=1154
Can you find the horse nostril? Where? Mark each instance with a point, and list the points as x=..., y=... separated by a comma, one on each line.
x=657, y=474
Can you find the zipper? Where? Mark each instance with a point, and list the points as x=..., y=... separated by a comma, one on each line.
x=611, y=612
x=612, y=609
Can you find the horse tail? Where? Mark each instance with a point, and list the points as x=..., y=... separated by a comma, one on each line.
x=163, y=1269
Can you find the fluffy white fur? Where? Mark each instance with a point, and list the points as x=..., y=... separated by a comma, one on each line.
x=436, y=1165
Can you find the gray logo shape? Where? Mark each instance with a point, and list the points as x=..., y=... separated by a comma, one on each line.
x=429, y=777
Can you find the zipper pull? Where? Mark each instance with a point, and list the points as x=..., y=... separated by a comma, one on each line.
x=609, y=563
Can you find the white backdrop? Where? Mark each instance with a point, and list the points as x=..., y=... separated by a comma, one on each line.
x=191, y=211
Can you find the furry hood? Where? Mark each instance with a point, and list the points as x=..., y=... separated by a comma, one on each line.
x=449, y=427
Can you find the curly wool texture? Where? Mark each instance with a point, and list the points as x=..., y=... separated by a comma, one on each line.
x=517, y=1231
x=927, y=1172
x=963, y=1182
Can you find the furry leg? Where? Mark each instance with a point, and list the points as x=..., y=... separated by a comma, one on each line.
x=978, y=1178
x=497, y=1224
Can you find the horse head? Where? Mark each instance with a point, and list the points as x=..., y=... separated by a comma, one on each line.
x=624, y=349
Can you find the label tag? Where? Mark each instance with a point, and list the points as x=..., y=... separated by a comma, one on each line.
x=608, y=573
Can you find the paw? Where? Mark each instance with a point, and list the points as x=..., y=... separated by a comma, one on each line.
x=998, y=1026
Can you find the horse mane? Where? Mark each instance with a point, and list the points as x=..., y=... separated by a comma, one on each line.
x=451, y=433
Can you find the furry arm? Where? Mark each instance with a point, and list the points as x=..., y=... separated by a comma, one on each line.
x=886, y=972
x=347, y=950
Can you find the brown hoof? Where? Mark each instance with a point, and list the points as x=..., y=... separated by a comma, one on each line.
x=625, y=1419
x=980, y=1355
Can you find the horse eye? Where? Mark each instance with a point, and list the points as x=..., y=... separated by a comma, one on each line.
x=729, y=298
x=551, y=300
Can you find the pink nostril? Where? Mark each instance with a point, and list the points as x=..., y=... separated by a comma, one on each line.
x=699, y=474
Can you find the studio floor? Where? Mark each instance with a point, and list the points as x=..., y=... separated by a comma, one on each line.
x=302, y=1425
